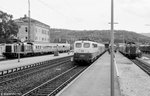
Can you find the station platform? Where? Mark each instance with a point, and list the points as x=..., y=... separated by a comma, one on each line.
x=94, y=81
x=9, y=64
x=132, y=80
x=1, y=57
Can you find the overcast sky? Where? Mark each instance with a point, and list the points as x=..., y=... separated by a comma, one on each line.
x=131, y=15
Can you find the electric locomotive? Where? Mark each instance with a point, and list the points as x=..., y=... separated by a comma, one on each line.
x=86, y=52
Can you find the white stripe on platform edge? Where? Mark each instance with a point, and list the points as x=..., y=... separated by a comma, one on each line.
x=116, y=68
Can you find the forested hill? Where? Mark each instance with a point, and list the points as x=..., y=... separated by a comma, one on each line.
x=146, y=34
x=63, y=35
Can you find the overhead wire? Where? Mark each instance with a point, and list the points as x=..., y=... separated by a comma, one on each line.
x=54, y=9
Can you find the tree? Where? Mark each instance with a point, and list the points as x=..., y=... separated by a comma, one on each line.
x=8, y=28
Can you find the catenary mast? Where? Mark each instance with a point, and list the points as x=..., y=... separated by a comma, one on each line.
x=29, y=23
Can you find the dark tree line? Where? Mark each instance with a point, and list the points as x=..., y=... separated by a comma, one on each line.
x=98, y=35
x=8, y=28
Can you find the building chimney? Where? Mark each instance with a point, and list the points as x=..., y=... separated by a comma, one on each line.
x=25, y=16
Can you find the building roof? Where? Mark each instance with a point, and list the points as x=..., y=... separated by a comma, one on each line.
x=25, y=19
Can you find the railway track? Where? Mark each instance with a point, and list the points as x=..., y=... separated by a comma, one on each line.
x=146, y=55
x=145, y=67
x=54, y=85
x=10, y=79
x=30, y=71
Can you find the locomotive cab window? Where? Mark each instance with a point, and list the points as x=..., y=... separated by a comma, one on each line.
x=86, y=45
x=94, y=45
x=78, y=45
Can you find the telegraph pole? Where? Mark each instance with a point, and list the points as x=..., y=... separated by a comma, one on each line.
x=29, y=22
x=112, y=48
x=123, y=37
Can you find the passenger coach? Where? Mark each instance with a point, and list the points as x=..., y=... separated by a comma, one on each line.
x=87, y=51
x=34, y=49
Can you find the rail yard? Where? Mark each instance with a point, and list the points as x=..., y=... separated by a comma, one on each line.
x=51, y=75
x=66, y=48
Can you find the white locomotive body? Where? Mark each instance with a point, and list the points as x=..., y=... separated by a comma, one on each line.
x=87, y=51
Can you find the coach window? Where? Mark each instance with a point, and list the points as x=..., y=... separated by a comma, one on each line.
x=78, y=45
x=86, y=45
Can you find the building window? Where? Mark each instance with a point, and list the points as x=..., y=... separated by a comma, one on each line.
x=35, y=38
x=26, y=38
x=45, y=32
x=36, y=30
x=26, y=29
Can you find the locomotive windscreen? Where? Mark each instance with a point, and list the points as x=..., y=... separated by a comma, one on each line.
x=78, y=45
x=8, y=48
x=86, y=45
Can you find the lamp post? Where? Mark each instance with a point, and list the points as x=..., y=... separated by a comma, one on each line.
x=29, y=22
x=146, y=25
x=123, y=37
x=19, y=49
x=112, y=48
x=18, y=52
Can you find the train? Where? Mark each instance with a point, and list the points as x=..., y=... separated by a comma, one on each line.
x=24, y=49
x=86, y=52
x=145, y=48
x=130, y=50
x=107, y=46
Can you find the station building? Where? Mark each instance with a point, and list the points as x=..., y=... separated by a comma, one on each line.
x=39, y=32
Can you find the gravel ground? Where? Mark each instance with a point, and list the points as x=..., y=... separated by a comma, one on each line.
x=133, y=81
x=31, y=81
x=146, y=55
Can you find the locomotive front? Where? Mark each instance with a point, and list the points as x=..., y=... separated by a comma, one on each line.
x=131, y=50
x=86, y=51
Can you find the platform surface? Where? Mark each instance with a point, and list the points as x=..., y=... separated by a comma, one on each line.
x=4, y=65
x=133, y=81
x=95, y=81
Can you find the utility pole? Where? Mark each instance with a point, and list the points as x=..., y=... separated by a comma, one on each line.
x=29, y=22
x=112, y=48
x=123, y=37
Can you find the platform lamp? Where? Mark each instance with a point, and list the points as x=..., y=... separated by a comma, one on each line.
x=19, y=49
